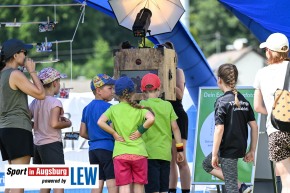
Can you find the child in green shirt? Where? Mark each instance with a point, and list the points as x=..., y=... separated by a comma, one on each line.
x=158, y=139
x=130, y=121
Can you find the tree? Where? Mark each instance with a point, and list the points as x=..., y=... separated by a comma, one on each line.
x=96, y=26
x=214, y=27
x=100, y=62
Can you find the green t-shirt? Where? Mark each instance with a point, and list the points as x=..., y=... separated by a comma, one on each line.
x=126, y=120
x=158, y=138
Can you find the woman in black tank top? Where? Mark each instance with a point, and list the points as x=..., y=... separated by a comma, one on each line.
x=182, y=122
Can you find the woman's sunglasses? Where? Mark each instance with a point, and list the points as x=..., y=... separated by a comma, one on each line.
x=23, y=51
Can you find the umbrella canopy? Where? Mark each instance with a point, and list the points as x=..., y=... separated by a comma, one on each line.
x=262, y=17
x=165, y=13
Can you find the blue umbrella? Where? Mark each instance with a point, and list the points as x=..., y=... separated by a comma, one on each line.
x=262, y=17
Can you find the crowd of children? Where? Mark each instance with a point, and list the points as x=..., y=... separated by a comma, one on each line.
x=142, y=153
x=136, y=145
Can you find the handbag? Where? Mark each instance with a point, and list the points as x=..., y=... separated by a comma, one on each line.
x=280, y=115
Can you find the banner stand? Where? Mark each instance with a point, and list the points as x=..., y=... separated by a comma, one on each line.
x=204, y=138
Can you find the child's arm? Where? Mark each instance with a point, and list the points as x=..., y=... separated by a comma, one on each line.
x=84, y=131
x=218, y=134
x=146, y=125
x=102, y=122
x=179, y=144
x=56, y=121
x=250, y=156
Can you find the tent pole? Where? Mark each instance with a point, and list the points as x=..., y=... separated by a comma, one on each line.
x=71, y=62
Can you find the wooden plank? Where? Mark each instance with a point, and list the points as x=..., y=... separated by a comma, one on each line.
x=135, y=63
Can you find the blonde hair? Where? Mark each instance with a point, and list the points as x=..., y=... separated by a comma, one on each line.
x=127, y=97
x=278, y=57
x=229, y=74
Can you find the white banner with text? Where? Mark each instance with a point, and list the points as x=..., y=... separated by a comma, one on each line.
x=51, y=176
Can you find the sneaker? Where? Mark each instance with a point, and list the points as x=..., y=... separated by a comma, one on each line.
x=245, y=188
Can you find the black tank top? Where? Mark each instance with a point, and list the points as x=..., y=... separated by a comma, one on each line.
x=177, y=106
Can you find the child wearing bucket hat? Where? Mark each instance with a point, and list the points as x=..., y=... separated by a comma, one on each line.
x=130, y=122
x=159, y=156
x=48, y=121
x=15, y=123
x=101, y=143
x=267, y=81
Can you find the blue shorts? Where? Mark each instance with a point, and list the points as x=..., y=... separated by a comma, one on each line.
x=158, y=176
x=105, y=160
x=15, y=143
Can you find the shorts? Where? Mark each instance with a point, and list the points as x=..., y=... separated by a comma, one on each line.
x=51, y=153
x=158, y=176
x=182, y=123
x=105, y=160
x=279, y=146
x=206, y=164
x=131, y=171
x=15, y=143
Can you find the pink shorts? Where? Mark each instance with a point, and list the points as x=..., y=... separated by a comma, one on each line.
x=131, y=171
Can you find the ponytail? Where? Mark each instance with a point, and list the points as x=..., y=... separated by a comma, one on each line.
x=237, y=102
x=127, y=96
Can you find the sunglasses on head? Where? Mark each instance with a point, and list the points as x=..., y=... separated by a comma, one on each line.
x=23, y=51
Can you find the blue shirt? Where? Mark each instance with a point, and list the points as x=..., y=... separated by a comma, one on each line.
x=98, y=138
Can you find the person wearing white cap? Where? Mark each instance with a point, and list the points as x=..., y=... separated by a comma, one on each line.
x=16, y=141
x=267, y=81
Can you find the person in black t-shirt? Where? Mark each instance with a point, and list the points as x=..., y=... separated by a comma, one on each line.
x=233, y=113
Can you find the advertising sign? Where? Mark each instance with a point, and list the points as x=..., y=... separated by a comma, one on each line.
x=51, y=176
x=205, y=133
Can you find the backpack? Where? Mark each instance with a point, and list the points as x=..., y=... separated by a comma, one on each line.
x=280, y=115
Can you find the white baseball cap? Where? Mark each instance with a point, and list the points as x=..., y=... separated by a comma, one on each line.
x=276, y=42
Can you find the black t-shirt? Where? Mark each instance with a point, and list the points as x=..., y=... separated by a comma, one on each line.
x=235, y=121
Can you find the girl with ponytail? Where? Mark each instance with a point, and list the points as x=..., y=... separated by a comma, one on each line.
x=233, y=114
x=130, y=121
